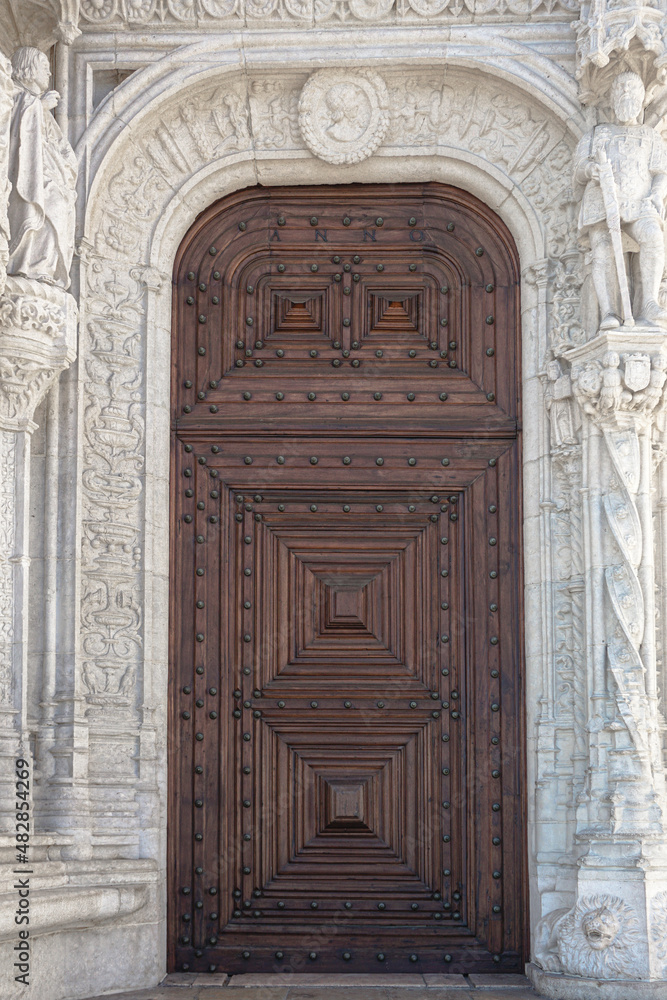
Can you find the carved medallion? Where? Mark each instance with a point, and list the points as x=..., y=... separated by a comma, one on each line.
x=343, y=115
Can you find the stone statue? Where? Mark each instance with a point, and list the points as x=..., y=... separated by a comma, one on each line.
x=620, y=174
x=42, y=171
x=558, y=402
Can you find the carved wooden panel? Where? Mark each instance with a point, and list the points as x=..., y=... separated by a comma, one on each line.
x=345, y=683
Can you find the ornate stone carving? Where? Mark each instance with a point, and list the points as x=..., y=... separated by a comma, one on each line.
x=37, y=340
x=612, y=36
x=42, y=171
x=201, y=13
x=37, y=337
x=560, y=407
x=620, y=173
x=6, y=105
x=343, y=115
x=595, y=939
x=659, y=928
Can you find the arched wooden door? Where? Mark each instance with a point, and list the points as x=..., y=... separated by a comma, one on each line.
x=346, y=708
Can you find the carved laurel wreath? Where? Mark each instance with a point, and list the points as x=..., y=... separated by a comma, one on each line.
x=314, y=118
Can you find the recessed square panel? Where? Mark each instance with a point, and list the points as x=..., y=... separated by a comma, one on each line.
x=348, y=598
x=343, y=806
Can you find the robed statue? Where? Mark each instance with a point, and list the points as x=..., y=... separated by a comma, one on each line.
x=620, y=173
x=42, y=172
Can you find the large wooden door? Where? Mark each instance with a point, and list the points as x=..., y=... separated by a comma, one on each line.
x=346, y=728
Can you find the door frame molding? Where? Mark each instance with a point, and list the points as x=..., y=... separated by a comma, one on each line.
x=141, y=267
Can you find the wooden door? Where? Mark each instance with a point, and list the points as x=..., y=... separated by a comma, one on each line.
x=346, y=721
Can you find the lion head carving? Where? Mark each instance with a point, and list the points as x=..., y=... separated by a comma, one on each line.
x=597, y=939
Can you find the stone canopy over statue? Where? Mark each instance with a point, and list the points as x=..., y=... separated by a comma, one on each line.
x=42, y=173
x=620, y=174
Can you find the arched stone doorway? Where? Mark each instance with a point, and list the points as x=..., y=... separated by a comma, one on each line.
x=346, y=680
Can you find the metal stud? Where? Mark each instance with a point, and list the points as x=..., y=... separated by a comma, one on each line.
x=281, y=220
x=410, y=396
x=412, y=353
x=313, y=220
x=313, y=507
x=346, y=508
x=494, y=673
x=377, y=395
x=346, y=460
x=379, y=461
x=345, y=396
x=281, y=268
x=479, y=252
x=493, y=574
x=313, y=704
x=347, y=704
x=347, y=956
x=314, y=460
x=412, y=461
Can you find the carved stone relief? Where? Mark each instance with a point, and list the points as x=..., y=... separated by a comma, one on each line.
x=268, y=114
x=343, y=116
x=203, y=13
x=595, y=939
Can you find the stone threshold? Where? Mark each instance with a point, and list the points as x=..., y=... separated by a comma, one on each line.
x=310, y=986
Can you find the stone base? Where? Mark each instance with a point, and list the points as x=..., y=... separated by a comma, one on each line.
x=560, y=987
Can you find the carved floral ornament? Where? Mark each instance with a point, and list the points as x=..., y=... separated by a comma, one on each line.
x=196, y=13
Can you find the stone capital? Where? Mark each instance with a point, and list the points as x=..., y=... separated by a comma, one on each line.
x=618, y=378
x=38, y=325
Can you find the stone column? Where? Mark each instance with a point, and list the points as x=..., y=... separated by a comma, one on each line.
x=37, y=341
x=617, y=928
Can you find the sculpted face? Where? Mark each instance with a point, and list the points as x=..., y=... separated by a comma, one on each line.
x=600, y=928
x=627, y=97
x=43, y=72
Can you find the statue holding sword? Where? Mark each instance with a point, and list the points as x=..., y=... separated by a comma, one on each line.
x=620, y=173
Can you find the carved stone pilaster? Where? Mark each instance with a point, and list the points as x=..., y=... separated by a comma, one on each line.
x=37, y=341
x=618, y=381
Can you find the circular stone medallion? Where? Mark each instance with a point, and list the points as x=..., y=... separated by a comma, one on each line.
x=343, y=114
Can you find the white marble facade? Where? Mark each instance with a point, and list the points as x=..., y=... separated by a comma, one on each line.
x=169, y=105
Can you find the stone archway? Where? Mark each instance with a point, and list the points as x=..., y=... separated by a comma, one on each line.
x=142, y=200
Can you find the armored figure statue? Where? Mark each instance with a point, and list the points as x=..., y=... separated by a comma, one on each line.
x=620, y=173
x=42, y=172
